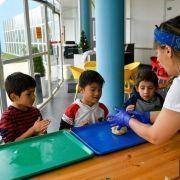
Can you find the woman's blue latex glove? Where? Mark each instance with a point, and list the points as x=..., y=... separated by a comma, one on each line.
x=143, y=117
x=122, y=117
x=119, y=119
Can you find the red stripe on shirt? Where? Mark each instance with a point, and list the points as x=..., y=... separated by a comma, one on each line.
x=106, y=112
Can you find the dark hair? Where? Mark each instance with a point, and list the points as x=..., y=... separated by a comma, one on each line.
x=88, y=77
x=170, y=26
x=146, y=75
x=18, y=82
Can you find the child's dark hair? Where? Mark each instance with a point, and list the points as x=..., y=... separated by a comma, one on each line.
x=88, y=77
x=18, y=82
x=146, y=75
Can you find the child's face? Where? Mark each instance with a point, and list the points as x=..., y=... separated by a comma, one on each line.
x=26, y=98
x=146, y=90
x=91, y=94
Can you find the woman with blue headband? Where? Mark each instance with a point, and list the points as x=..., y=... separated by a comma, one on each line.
x=158, y=127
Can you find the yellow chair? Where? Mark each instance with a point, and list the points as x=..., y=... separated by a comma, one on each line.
x=133, y=67
x=90, y=65
x=76, y=72
x=127, y=82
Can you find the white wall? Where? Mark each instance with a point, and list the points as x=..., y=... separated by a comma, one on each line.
x=127, y=21
x=172, y=8
x=145, y=14
x=71, y=23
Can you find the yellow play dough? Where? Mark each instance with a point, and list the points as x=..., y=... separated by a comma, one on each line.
x=115, y=130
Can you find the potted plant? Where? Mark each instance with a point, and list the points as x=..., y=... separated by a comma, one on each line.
x=38, y=63
x=39, y=71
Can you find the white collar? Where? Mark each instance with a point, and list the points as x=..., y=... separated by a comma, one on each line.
x=78, y=101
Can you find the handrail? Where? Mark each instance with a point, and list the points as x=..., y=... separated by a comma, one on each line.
x=13, y=60
x=145, y=48
x=49, y=5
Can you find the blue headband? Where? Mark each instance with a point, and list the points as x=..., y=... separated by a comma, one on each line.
x=164, y=38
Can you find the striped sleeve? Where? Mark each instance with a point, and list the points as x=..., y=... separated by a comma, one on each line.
x=7, y=128
x=70, y=113
x=106, y=111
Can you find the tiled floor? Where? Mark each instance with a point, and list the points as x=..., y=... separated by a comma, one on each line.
x=56, y=107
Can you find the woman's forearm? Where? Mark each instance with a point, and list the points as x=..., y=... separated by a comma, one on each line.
x=143, y=130
x=154, y=115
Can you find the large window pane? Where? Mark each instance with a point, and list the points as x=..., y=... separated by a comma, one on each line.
x=21, y=66
x=37, y=25
x=12, y=29
x=54, y=36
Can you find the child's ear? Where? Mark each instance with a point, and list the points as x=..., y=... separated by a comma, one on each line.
x=13, y=97
x=80, y=89
x=136, y=87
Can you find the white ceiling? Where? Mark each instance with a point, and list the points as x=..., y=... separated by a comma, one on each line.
x=69, y=3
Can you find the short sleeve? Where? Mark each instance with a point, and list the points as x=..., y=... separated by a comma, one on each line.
x=7, y=128
x=172, y=100
x=106, y=111
x=70, y=113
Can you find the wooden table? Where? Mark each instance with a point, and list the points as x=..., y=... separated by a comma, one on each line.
x=142, y=162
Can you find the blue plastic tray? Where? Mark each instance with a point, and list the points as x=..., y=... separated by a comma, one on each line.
x=39, y=154
x=100, y=139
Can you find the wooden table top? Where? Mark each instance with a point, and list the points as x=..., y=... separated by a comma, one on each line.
x=145, y=161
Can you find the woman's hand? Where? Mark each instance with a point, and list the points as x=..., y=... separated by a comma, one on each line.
x=119, y=119
x=143, y=117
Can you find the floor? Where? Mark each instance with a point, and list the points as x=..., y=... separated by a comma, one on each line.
x=55, y=108
x=57, y=105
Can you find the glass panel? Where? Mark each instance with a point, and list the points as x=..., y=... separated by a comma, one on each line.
x=37, y=26
x=127, y=30
x=21, y=66
x=44, y=83
x=12, y=29
x=54, y=36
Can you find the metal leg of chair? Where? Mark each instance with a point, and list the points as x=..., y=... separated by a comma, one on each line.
x=75, y=96
x=76, y=92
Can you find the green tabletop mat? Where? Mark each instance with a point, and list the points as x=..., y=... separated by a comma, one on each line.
x=39, y=154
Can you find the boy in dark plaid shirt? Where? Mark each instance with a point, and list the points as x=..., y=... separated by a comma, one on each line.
x=21, y=120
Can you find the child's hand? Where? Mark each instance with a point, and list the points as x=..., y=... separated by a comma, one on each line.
x=40, y=126
x=82, y=123
x=130, y=107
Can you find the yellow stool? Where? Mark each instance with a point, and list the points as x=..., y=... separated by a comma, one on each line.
x=133, y=67
x=90, y=65
x=76, y=72
x=127, y=82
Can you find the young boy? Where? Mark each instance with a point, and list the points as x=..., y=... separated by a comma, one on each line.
x=21, y=120
x=145, y=97
x=88, y=110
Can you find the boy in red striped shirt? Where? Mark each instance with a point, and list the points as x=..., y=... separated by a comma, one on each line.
x=87, y=110
x=21, y=120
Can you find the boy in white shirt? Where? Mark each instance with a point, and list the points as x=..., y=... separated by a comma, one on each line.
x=87, y=110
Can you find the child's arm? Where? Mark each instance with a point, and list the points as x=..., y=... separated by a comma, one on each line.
x=40, y=126
x=7, y=128
x=67, y=120
x=64, y=125
x=130, y=107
